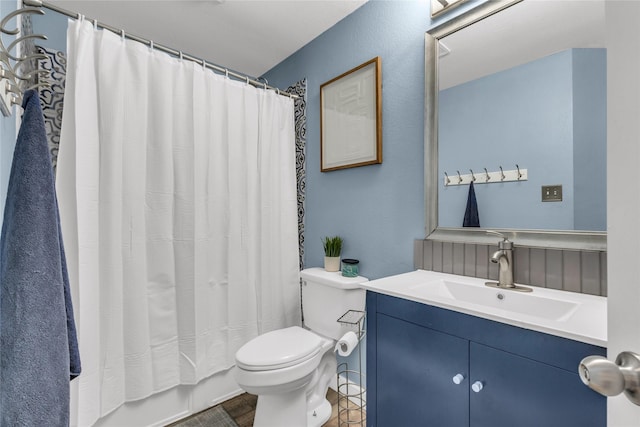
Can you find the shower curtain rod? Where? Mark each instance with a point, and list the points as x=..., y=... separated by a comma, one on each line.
x=160, y=47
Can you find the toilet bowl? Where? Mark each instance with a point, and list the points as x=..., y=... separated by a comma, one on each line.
x=290, y=369
x=283, y=368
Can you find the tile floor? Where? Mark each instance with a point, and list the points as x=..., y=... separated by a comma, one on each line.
x=242, y=410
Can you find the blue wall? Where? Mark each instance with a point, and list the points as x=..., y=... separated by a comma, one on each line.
x=378, y=209
x=539, y=106
x=54, y=26
x=590, y=138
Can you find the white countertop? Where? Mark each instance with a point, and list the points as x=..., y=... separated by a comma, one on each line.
x=565, y=314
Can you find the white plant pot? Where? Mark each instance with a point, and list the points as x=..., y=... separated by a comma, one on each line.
x=332, y=263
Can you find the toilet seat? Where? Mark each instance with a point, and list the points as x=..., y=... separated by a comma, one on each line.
x=278, y=349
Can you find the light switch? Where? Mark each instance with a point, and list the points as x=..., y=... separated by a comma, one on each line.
x=552, y=193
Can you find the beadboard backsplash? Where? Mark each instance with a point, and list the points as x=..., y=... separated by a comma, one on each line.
x=569, y=270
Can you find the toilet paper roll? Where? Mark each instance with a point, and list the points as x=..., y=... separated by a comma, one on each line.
x=347, y=343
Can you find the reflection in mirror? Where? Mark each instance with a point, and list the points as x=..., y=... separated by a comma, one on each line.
x=524, y=86
x=440, y=6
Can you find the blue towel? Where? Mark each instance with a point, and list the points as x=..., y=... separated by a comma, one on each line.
x=471, y=218
x=37, y=331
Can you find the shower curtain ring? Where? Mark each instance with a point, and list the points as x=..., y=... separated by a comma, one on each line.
x=122, y=35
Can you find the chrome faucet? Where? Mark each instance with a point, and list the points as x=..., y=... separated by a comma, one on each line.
x=504, y=258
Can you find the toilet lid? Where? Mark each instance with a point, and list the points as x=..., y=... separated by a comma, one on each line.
x=278, y=349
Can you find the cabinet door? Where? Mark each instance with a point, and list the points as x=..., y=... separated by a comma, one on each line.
x=520, y=392
x=415, y=370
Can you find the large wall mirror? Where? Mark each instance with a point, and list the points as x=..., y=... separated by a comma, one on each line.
x=516, y=85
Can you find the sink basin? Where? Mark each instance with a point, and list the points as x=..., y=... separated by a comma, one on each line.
x=566, y=314
x=510, y=301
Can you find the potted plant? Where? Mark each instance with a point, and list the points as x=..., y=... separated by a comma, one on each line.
x=332, y=248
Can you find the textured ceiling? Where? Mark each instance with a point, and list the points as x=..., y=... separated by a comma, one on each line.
x=250, y=36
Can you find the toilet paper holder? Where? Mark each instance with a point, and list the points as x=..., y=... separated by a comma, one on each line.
x=611, y=379
x=352, y=398
x=354, y=319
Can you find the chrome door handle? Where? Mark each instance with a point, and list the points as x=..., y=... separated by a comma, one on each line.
x=609, y=378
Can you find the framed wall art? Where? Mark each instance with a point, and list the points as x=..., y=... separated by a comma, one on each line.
x=351, y=118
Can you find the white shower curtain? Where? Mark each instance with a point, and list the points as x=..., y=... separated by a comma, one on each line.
x=177, y=194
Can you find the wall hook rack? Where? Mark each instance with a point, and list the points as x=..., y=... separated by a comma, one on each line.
x=493, y=177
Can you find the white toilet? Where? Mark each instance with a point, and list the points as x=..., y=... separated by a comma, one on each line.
x=290, y=369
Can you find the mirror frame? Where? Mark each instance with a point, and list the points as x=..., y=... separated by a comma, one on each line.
x=560, y=239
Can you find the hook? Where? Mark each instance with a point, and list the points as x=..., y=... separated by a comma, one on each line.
x=473, y=177
x=448, y=180
x=487, y=173
x=502, y=177
x=6, y=55
x=15, y=13
x=28, y=36
x=41, y=84
x=5, y=73
x=15, y=99
x=459, y=177
x=12, y=87
x=29, y=58
x=519, y=174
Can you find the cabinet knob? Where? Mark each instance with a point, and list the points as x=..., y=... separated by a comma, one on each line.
x=458, y=379
x=477, y=386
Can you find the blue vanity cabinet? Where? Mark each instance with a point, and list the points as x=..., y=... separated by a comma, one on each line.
x=518, y=391
x=417, y=384
x=527, y=378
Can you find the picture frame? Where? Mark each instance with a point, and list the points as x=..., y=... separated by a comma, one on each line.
x=351, y=118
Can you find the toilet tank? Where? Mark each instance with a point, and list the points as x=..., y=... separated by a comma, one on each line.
x=326, y=296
